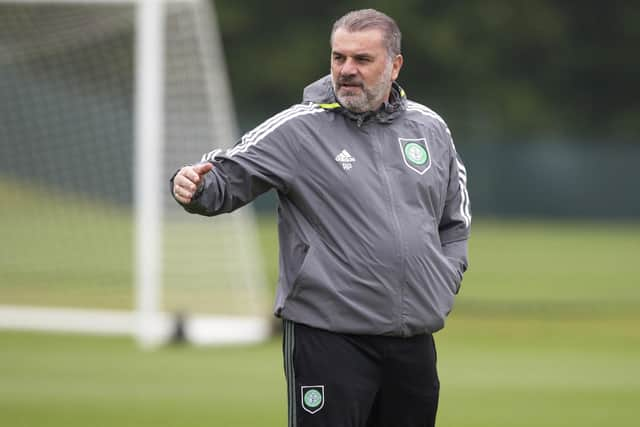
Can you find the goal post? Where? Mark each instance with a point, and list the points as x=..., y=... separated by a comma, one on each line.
x=115, y=95
x=149, y=143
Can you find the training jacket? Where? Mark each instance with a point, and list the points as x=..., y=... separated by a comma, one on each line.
x=373, y=214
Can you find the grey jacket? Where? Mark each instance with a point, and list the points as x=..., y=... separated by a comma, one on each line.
x=373, y=211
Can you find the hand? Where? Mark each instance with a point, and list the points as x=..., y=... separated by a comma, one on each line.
x=188, y=180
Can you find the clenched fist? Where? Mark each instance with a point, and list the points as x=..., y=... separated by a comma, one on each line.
x=188, y=180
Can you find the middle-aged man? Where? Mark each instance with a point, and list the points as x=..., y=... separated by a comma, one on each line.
x=373, y=224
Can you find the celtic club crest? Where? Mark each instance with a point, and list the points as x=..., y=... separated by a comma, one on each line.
x=312, y=398
x=415, y=153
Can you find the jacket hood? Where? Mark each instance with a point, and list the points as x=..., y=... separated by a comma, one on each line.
x=321, y=93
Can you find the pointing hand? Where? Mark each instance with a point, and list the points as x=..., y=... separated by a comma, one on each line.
x=188, y=180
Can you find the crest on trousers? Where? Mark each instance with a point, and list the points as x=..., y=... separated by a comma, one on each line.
x=415, y=153
x=312, y=398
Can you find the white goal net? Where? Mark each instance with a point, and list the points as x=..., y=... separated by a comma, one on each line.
x=100, y=102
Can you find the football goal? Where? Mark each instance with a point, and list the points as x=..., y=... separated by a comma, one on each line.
x=100, y=102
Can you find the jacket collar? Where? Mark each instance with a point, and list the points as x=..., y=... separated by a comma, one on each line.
x=321, y=93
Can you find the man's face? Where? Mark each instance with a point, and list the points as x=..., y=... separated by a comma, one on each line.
x=361, y=71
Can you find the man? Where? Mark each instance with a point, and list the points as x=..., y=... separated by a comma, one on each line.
x=373, y=226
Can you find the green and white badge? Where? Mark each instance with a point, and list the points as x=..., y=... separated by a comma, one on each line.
x=312, y=398
x=415, y=153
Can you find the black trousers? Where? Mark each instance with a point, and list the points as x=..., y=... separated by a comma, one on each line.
x=342, y=380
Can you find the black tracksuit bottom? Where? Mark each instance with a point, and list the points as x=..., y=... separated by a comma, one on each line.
x=343, y=380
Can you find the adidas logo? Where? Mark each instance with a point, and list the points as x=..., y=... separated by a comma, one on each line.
x=345, y=159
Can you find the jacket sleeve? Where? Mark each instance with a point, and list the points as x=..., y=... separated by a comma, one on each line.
x=455, y=222
x=263, y=159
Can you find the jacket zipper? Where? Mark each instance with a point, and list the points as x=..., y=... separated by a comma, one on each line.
x=396, y=224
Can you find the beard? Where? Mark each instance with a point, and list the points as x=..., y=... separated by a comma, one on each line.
x=352, y=93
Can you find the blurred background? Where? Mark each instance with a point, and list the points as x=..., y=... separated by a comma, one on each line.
x=538, y=95
x=541, y=97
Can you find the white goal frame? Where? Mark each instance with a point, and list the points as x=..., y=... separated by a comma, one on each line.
x=147, y=322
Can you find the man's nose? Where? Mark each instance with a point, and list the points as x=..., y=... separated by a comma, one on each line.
x=349, y=68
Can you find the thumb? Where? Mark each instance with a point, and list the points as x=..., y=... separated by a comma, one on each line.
x=202, y=168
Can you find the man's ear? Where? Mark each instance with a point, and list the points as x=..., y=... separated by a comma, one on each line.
x=396, y=65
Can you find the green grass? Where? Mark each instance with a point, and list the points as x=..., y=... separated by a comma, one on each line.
x=565, y=263
x=63, y=250
x=506, y=371
x=546, y=331
x=495, y=371
x=70, y=250
x=52, y=380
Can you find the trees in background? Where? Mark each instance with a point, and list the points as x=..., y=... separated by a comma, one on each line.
x=497, y=70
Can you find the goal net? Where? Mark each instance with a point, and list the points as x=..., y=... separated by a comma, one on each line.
x=100, y=102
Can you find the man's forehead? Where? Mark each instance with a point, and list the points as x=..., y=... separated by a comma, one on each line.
x=363, y=40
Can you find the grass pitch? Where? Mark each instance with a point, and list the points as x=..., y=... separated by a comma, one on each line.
x=546, y=331
x=495, y=371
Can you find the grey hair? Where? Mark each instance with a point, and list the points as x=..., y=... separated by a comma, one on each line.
x=367, y=19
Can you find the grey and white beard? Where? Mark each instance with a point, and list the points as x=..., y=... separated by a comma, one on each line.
x=369, y=98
